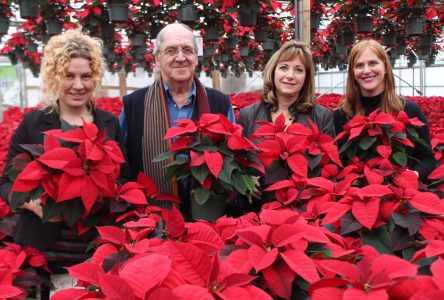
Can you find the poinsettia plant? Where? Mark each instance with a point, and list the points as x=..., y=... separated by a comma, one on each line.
x=213, y=152
x=74, y=174
x=361, y=136
x=292, y=154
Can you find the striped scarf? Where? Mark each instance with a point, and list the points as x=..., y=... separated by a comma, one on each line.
x=156, y=124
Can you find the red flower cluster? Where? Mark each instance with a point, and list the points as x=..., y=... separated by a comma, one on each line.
x=88, y=170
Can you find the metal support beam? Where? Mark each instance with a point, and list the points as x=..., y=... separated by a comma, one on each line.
x=302, y=20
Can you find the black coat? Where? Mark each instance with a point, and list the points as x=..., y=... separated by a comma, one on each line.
x=30, y=230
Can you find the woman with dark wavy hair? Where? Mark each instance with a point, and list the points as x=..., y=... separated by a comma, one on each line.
x=371, y=86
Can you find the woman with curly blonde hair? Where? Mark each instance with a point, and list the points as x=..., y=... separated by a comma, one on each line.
x=72, y=70
x=288, y=90
x=371, y=86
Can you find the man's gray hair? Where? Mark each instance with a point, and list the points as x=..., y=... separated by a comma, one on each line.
x=158, y=44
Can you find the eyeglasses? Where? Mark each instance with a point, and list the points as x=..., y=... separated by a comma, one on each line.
x=173, y=51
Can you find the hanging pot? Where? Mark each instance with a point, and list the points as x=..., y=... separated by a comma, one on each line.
x=400, y=48
x=230, y=43
x=118, y=12
x=224, y=58
x=142, y=49
x=209, y=51
x=138, y=39
x=415, y=26
x=187, y=13
x=425, y=51
x=426, y=40
x=54, y=27
x=347, y=37
x=32, y=47
x=212, y=33
x=260, y=35
x=244, y=51
x=4, y=26
x=107, y=31
x=249, y=60
x=268, y=44
x=389, y=38
x=364, y=24
x=315, y=20
x=341, y=49
x=248, y=15
x=154, y=30
x=29, y=9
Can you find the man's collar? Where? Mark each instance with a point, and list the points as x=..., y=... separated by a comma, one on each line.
x=170, y=95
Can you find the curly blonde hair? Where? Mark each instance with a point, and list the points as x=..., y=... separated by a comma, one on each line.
x=56, y=57
x=351, y=104
x=288, y=51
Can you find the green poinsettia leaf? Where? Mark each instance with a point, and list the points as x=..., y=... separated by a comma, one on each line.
x=163, y=156
x=201, y=195
x=239, y=183
x=400, y=158
x=200, y=172
x=13, y=173
x=71, y=210
x=248, y=182
x=379, y=239
x=413, y=136
x=227, y=169
x=19, y=198
x=366, y=142
x=175, y=168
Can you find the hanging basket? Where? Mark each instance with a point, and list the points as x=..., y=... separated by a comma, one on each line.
x=187, y=13
x=260, y=35
x=118, y=12
x=315, y=20
x=268, y=44
x=426, y=40
x=244, y=51
x=211, y=210
x=341, y=49
x=54, y=27
x=209, y=51
x=138, y=39
x=107, y=31
x=364, y=24
x=212, y=34
x=389, y=38
x=248, y=15
x=154, y=30
x=347, y=38
x=425, y=51
x=29, y=9
x=400, y=48
x=415, y=26
x=4, y=26
x=32, y=47
x=230, y=43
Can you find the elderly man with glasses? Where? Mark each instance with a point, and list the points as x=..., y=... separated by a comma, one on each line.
x=177, y=94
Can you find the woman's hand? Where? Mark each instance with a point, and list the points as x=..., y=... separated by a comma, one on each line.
x=35, y=205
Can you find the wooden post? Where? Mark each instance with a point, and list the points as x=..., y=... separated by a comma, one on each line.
x=302, y=20
x=122, y=84
x=306, y=27
x=215, y=75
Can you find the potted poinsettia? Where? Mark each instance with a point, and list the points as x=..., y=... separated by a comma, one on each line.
x=74, y=174
x=218, y=159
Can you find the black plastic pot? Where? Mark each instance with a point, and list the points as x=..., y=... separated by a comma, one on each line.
x=260, y=35
x=29, y=9
x=247, y=15
x=187, y=13
x=212, y=33
x=364, y=24
x=415, y=26
x=4, y=26
x=118, y=12
x=54, y=27
x=107, y=31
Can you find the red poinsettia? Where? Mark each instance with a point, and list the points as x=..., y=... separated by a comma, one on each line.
x=214, y=153
x=72, y=179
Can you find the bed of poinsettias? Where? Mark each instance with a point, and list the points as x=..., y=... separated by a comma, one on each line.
x=363, y=228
